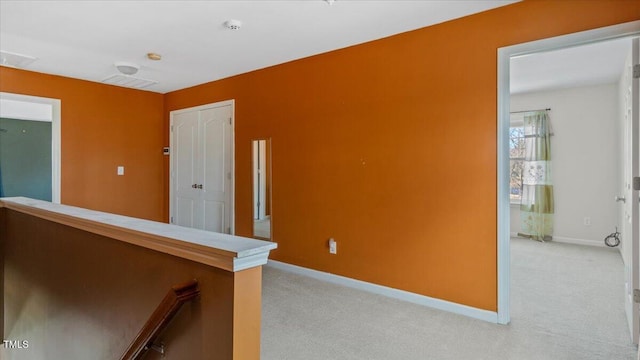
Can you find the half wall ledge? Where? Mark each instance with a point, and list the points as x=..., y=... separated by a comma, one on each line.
x=81, y=284
x=227, y=252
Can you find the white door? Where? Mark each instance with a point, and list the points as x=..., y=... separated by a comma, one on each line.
x=184, y=159
x=215, y=172
x=631, y=216
x=201, y=167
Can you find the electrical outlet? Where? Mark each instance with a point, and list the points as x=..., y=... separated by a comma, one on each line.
x=587, y=221
x=333, y=246
x=120, y=170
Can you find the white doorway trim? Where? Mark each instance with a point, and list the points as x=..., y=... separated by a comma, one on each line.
x=504, y=56
x=56, y=144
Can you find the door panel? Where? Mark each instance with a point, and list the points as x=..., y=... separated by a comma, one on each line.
x=631, y=215
x=185, y=157
x=214, y=212
x=216, y=169
x=635, y=114
x=214, y=150
x=184, y=214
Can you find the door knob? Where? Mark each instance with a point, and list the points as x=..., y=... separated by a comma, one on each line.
x=621, y=198
x=195, y=186
x=200, y=186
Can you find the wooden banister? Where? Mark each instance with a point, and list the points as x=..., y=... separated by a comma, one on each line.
x=172, y=302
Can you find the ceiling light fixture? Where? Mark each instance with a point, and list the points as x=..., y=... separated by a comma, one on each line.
x=330, y=2
x=127, y=68
x=154, y=56
x=233, y=24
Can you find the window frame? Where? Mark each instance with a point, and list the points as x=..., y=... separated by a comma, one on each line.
x=516, y=121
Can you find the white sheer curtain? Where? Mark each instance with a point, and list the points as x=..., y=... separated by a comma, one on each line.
x=537, y=205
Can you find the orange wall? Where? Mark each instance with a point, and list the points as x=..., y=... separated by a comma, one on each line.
x=390, y=148
x=102, y=127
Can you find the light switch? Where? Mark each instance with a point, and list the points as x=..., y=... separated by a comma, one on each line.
x=120, y=170
x=333, y=246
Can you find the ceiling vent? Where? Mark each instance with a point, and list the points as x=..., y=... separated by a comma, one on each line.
x=15, y=60
x=128, y=81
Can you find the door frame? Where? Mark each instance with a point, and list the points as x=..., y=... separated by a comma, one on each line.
x=56, y=143
x=504, y=55
x=630, y=252
x=232, y=215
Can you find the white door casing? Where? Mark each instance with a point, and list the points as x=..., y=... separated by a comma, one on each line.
x=201, y=148
x=56, y=141
x=635, y=318
x=631, y=218
x=504, y=55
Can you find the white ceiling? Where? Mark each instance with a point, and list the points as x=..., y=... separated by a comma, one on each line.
x=593, y=64
x=83, y=39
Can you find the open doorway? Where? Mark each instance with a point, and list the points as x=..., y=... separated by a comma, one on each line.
x=504, y=108
x=562, y=285
x=25, y=158
x=28, y=119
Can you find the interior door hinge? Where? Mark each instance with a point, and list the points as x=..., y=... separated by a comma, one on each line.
x=636, y=71
x=636, y=295
x=636, y=183
x=229, y=121
x=171, y=128
x=228, y=230
x=172, y=220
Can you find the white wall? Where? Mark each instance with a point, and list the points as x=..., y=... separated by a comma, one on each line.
x=585, y=154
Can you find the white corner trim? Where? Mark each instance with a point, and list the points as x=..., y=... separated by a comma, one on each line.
x=504, y=204
x=427, y=301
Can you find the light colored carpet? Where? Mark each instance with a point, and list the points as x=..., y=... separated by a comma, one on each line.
x=566, y=304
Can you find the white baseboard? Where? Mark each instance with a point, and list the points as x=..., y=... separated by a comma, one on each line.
x=568, y=240
x=562, y=239
x=444, y=305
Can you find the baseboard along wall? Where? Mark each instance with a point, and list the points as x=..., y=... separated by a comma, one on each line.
x=427, y=301
x=568, y=240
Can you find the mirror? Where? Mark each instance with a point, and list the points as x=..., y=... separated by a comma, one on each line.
x=261, y=164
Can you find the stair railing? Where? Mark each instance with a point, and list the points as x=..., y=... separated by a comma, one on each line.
x=158, y=321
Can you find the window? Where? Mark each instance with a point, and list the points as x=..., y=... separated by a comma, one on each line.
x=516, y=161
